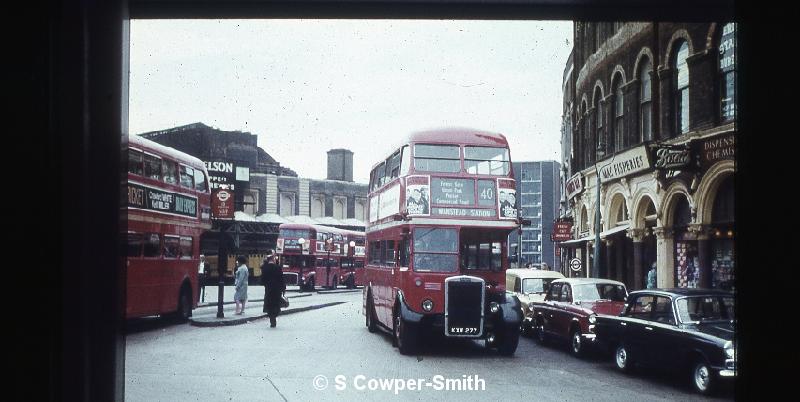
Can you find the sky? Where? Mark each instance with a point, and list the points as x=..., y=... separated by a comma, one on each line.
x=308, y=86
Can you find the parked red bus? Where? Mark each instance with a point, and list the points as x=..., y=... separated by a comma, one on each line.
x=441, y=208
x=352, y=266
x=315, y=265
x=168, y=209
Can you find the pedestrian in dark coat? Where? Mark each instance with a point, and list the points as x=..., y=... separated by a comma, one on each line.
x=274, y=287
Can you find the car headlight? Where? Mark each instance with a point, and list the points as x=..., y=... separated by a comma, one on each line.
x=427, y=305
x=592, y=318
x=494, y=307
x=730, y=351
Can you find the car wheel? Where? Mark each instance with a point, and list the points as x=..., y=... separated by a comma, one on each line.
x=702, y=379
x=541, y=336
x=622, y=359
x=576, y=343
x=370, y=313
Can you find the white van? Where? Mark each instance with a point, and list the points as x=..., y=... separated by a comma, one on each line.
x=529, y=285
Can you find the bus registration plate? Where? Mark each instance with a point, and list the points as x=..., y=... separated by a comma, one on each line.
x=463, y=330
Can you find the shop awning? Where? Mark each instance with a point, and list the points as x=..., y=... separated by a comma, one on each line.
x=614, y=230
x=575, y=242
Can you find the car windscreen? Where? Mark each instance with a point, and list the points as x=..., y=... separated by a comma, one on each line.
x=598, y=291
x=705, y=308
x=536, y=285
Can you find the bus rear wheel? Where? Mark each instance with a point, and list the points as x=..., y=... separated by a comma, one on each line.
x=184, y=310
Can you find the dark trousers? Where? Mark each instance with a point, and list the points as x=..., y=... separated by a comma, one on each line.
x=201, y=284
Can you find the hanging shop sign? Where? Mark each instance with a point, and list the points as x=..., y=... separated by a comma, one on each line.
x=574, y=186
x=562, y=231
x=624, y=164
x=672, y=157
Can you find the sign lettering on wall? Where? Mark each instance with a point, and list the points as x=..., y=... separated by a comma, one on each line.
x=717, y=149
x=574, y=185
x=221, y=175
x=624, y=164
x=669, y=157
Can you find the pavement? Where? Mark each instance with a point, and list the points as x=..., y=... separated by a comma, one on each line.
x=205, y=315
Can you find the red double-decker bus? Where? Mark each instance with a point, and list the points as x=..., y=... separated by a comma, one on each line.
x=441, y=208
x=168, y=209
x=317, y=255
x=352, y=266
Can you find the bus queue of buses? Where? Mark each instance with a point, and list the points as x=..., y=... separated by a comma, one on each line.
x=432, y=260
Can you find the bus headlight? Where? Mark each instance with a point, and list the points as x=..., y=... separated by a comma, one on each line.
x=427, y=305
x=418, y=282
x=494, y=307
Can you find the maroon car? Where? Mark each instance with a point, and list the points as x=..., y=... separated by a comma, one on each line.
x=569, y=310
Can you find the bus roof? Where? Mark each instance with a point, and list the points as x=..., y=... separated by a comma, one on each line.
x=143, y=144
x=458, y=135
x=319, y=228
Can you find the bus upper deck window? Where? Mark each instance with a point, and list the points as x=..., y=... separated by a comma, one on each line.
x=152, y=167
x=170, y=172
x=200, y=180
x=187, y=177
x=135, y=159
x=437, y=158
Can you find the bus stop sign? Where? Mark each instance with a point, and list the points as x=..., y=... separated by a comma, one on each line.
x=575, y=264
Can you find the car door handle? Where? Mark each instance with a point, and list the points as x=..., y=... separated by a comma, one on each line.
x=648, y=328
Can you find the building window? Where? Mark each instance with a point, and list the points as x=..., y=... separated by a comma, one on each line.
x=645, y=101
x=727, y=73
x=619, y=132
x=340, y=208
x=251, y=202
x=318, y=207
x=681, y=89
x=600, y=143
x=287, y=204
x=360, y=209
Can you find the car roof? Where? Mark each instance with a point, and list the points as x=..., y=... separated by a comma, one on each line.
x=533, y=273
x=677, y=292
x=580, y=281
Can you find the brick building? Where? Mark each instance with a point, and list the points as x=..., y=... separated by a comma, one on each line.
x=650, y=109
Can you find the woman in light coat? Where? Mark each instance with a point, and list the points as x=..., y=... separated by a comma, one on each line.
x=242, y=273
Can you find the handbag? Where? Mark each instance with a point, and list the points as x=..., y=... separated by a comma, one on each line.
x=284, y=301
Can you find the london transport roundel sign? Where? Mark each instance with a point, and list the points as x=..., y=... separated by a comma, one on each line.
x=575, y=264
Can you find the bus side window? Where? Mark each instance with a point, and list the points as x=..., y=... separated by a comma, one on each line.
x=152, y=167
x=152, y=245
x=135, y=241
x=170, y=171
x=135, y=159
x=187, y=177
x=404, y=252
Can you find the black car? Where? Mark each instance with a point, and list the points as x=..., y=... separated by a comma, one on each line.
x=684, y=329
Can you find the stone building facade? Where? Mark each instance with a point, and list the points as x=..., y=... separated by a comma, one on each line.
x=650, y=117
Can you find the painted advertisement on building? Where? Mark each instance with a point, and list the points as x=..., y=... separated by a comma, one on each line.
x=624, y=164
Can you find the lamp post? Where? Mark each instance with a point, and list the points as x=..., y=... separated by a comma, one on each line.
x=300, y=241
x=597, y=227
